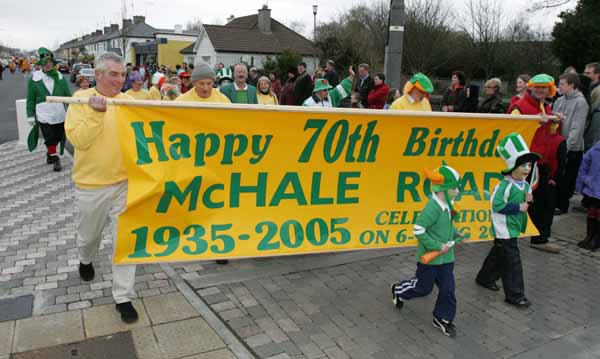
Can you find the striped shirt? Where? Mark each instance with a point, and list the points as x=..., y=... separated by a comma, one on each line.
x=507, y=219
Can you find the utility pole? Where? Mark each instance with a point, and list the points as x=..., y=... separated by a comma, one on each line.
x=123, y=9
x=315, y=8
x=393, y=48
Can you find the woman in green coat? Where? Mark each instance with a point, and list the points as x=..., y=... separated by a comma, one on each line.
x=49, y=117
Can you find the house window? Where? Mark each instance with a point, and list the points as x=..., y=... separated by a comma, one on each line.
x=206, y=59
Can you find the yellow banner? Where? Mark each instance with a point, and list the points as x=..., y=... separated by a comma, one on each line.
x=237, y=182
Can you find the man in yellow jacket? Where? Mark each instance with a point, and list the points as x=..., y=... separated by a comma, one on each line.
x=203, y=79
x=415, y=95
x=99, y=175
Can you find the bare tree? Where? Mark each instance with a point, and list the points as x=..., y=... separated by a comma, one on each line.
x=483, y=24
x=297, y=25
x=356, y=35
x=194, y=24
x=427, y=37
x=366, y=27
x=525, y=49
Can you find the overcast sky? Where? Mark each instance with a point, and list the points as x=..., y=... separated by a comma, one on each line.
x=34, y=23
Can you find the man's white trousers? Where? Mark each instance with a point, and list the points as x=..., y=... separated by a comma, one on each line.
x=96, y=206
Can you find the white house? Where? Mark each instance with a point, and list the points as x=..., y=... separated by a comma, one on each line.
x=111, y=39
x=250, y=39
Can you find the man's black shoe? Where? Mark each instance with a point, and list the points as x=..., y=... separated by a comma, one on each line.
x=86, y=272
x=222, y=261
x=523, y=303
x=492, y=286
x=128, y=312
x=445, y=326
x=57, y=166
x=49, y=160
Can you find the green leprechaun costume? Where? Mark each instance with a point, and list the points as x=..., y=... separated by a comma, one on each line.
x=435, y=231
x=44, y=116
x=333, y=95
x=509, y=204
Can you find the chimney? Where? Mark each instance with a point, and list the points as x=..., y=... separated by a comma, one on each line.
x=114, y=27
x=230, y=18
x=106, y=29
x=264, y=19
x=98, y=32
x=93, y=34
x=179, y=29
x=139, y=19
x=127, y=22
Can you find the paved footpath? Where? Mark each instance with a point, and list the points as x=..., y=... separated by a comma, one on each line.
x=318, y=306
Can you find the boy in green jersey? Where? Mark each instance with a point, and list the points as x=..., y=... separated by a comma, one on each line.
x=435, y=232
x=510, y=201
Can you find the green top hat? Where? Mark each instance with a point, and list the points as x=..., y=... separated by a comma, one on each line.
x=515, y=152
x=321, y=84
x=422, y=82
x=45, y=55
x=225, y=73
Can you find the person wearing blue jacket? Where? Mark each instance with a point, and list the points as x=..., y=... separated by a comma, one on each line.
x=588, y=184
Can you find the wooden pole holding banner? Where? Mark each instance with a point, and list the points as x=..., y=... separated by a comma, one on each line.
x=186, y=104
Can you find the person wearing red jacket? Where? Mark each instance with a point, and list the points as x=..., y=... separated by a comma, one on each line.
x=286, y=97
x=378, y=95
x=547, y=142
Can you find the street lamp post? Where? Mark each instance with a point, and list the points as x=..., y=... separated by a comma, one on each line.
x=315, y=7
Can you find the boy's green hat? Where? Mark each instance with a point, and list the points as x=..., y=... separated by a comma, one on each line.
x=322, y=84
x=443, y=179
x=45, y=55
x=515, y=152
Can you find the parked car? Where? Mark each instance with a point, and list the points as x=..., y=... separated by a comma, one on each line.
x=90, y=74
x=64, y=67
x=76, y=68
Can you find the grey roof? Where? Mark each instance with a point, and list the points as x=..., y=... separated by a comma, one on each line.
x=105, y=36
x=68, y=45
x=92, y=40
x=115, y=50
x=77, y=43
x=242, y=35
x=141, y=29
